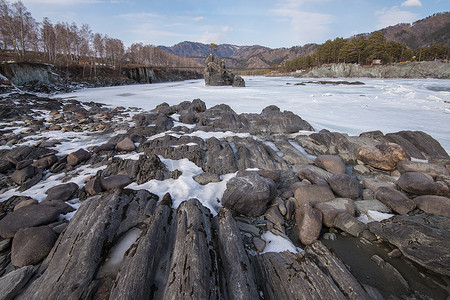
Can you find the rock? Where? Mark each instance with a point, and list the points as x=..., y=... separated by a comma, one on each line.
x=126, y=145
x=363, y=206
x=237, y=268
x=93, y=186
x=422, y=238
x=215, y=73
x=309, y=222
x=419, y=184
x=62, y=192
x=249, y=195
x=394, y=253
x=31, y=245
x=348, y=223
x=312, y=173
x=345, y=186
x=104, y=147
x=313, y=193
x=46, y=162
x=331, y=208
x=22, y=175
x=5, y=166
x=312, y=274
x=60, y=205
x=424, y=143
x=392, y=273
x=395, y=200
x=78, y=157
x=28, y=216
x=435, y=205
x=384, y=156
x=259, y=244
x=373, y=184
x=12, y=283
x=332, y=163
x=273, y=215
x=115, y=181
x=25, y=203
x=427, y=168
x=206, y=177
x=23, y=163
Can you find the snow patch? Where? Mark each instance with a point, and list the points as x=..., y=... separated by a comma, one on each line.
x=374, y=216
x=275, y=243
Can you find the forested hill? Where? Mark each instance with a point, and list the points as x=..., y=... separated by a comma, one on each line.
x=433, y=30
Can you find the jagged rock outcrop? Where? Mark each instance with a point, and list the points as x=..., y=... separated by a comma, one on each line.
x=216, y=75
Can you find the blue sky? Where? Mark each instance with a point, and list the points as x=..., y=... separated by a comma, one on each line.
x=271, y=23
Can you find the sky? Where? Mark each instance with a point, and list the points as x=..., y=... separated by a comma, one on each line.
x=270, y=23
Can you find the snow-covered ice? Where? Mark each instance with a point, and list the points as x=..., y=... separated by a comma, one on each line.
x=374, y=216
x=275, y=243
x=389, y=105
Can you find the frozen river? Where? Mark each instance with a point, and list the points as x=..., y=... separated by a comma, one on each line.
x=389, y=105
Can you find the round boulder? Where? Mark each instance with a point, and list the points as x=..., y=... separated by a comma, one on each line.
x=345, y=186
x=309, y=222
x=420, y=184
x=249, y=195
x=126, y=145
x=78, y=157
x=62, y=192
x=332, y=163
x=436, y=205
x=31, y=245
x=115, y=181
x=384, y=156
x=331, y=208
x=395, y=200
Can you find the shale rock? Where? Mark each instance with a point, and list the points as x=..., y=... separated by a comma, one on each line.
x=12, y=283
x=419, y=184
x=427, y=168
x=422, y=238
x=249, y=195
x=395, y=200
x=31, y=245
x=216, y=75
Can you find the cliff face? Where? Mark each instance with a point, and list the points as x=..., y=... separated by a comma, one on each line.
x=425, y=69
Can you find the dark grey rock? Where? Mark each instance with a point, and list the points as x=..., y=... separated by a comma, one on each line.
x=62, y=192
x=249, y=195
x=331, y=208
x=93, y=186
x=395, y=200
x=332, y=163
x=436, y=205
x=126, y=145
x=207, y=177
x=427, y=168
x=419, y=184
x=216, y=75
x=60, y=205
x=46, y=162
x=313, y=193
x=31, y=245
x=23, y=163
x=78, y=157
x=115, y=181
x=422, y=238
x=424, y=143
x=28, y=216
x=273, y=215
x=236, y=265
x=12, y=283
x=348, y=223
x=104, y=147
x=363, y=206
x=24, y=174
x=345, y=186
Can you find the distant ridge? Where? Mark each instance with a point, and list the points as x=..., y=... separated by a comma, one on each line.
x=429, y=31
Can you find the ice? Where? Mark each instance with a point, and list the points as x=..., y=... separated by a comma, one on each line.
x=374, y=216
x=185, y=187
x=274, y=148
x=302, y=150
x=275, y=243
x=118, y=251
x=389, y=105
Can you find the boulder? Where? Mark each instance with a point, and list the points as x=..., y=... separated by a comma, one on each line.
x=395, y=200
x=25, y=203
x=331, y=208
x=363, y=206
x=12, y=283
x=62, y=192
x=126, y=145
x=115, y=181
x=46, y=162
x=309, y=222
x=104, y=147
x=207, y=177
x=273, y=215
x=31, y=245
x=345, y=186
x=23, y=163
x=313, y=193
x=249, y=195
x=93, y=186
x=348, y=223
x=422, y=238
x=78, y=157
x=427, y=168
x=28, y=216
x=436, y=205
x=420, y=184
x=22, y=175
x=60, y=205
x=384, y=156
x=373, y=184
x=332, y=163
x=215, y=73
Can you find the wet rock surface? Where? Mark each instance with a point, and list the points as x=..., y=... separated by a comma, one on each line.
x=107, y=191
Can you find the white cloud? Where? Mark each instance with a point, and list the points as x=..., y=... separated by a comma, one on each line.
x=61, y=2
x=199, y=18
x=210, y=37
x=142, y=15
x=227, y=29
x=393, y=16
x=305, y=27
x=412, y=3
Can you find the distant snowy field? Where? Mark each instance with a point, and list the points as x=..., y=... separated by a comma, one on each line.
x=389, y=105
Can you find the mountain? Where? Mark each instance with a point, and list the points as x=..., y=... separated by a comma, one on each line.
x=426, y=32
x=240, y=56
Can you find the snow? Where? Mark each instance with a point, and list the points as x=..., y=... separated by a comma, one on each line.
x=275, y=243
x=118, y=251
x=389, y=105
x=185, y=187
x=374, y=216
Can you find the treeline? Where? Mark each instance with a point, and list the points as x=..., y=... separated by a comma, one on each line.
x=64, y=44
x=365, y=50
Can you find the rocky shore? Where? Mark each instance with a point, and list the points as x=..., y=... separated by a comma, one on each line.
x=186, y=201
